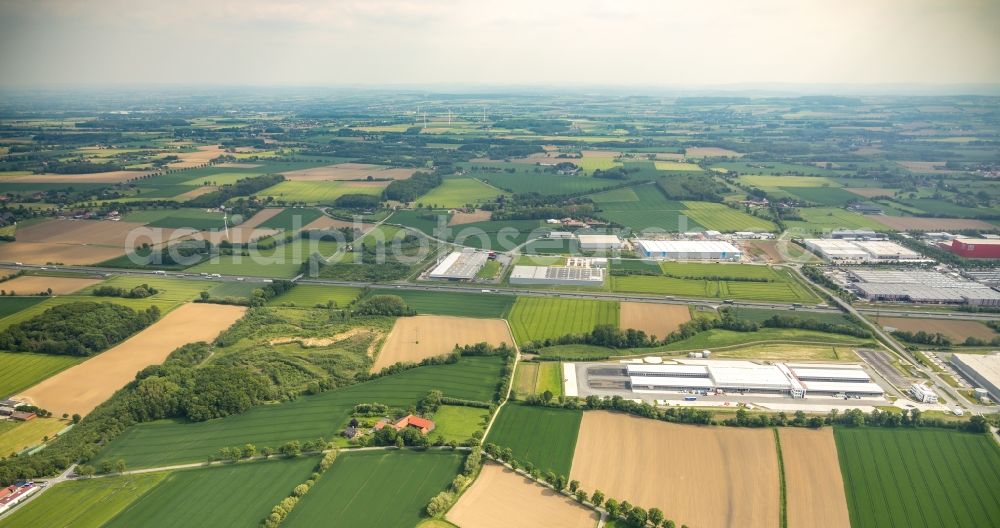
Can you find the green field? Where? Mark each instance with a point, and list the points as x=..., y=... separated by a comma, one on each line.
x=919, y=477
x=319, y=192
x=231, y=495
x=644, y=207
x=717, y=269
x=457, y=192
x=376, y=489
x=544, y=436
x=454, y=422
x=539, y=318
x=172, y=442
x=819, y=219
x=176, y=218
x=312, y=294
x=283, y=261
x=726, y=219
x=526, y=179
x=234, y=289
x=822, y=195
x=499, y=236
x=785, y=288
x=292, y=218
x=11, y=305
x=536, y=378
x=83, y=503
x=716, y=338
x=23, y=369
x=473, y=304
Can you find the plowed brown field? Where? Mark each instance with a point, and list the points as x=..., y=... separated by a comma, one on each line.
x=501, y=498
x=654, y=319
x=424, y=336
x=710, y=477
x=32, y=284
x=81, y=388
x=813, y=482
x=957, y=330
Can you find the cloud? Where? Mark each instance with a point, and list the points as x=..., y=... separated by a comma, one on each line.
x=649, y=42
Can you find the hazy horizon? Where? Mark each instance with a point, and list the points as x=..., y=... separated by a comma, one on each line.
x=929, y=45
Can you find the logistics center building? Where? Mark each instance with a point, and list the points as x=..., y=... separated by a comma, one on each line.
x=687, y=249
x=745, y=377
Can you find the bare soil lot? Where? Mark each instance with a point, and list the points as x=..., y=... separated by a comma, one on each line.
x=468, y=218
x=913, y=223
x=813, y=482
x=81, y=388
x=349, y=171
x=710, y=477
x=32, y=284
x=500, y=498
x=654, y=319
x=35, y=253
x=871, y=192
x=780, y=250
x=424, y=336
x=710, y=152
x=957, y=330
x=96, y=177
x=97, y=233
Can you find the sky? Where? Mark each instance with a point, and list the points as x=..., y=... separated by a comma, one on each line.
x=501, y=43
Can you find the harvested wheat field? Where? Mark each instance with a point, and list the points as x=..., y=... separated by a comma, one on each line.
x=93, y=177
x=460, y=218
x=669, y=156
x=711, y=152
x=326, y=223
x=871, y=192
x=424, y=336
x=80, y=388
x=349, y=171
x=913, y=223
x=814, y=486
x=956, y=329
x=98, y=232
x=32, y=284
x=197, y=158
x=500, y=498
x=601, y=153
x=709, y=477
x=35, y=253
x=654, y=319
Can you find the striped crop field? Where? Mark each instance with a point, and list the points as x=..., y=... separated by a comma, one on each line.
x=919, y=477
x=539, y=318
x=22, y=370
x=309, y=295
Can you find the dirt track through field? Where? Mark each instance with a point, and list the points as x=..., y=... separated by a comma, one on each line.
x=32, y=284
x=709, y=477
x=424, y=336
x=81, y=388
x=955, y=329
x=500, y=498
x=654, y=319
x=815, y=488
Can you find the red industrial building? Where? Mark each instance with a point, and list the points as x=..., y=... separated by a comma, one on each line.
x=986, y=248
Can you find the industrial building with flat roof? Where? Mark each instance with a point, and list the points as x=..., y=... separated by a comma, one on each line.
x=983, y=371
x=557, y=275
x=592, y=242
x=459, y=265
x=687, y=249
x=859, y=251
x=745, y=377
x=921, y=286
x=988, y=248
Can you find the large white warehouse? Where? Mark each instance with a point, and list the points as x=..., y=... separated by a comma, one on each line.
x=557, y=275
x=687, y=249
x=744, y=377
